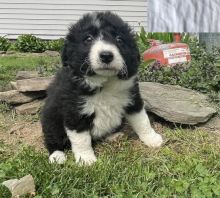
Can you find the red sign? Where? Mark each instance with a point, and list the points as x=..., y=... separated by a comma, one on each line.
x=168, y=54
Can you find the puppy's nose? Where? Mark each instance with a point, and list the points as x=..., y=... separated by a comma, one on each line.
x=106, y=56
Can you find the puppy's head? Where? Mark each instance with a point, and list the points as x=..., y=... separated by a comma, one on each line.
x=101, y=44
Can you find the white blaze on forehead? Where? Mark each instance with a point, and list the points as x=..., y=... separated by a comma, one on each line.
x=100, y=46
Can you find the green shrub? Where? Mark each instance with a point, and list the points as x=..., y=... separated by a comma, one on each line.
x=55, y=45
x=29, y=43
x=4, y=44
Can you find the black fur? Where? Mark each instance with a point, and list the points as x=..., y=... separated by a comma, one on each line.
x=63, y=103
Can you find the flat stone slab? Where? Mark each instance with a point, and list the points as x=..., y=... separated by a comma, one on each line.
x=52, y=53
x=176, y=104
x=26, y=75
x=34, y=84
x=16, y=97
x=19, y=187
x=29, y=108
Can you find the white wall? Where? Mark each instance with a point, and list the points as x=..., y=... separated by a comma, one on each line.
x=49, y=19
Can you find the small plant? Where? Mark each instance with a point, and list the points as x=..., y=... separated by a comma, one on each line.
x=12, y=47
x=4, y=44
x=30, y=43
x=55, y=45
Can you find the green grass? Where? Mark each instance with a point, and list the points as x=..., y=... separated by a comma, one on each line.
x=187, y=165
x=10, y=65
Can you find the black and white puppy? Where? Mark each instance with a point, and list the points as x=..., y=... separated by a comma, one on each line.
x=95, y=89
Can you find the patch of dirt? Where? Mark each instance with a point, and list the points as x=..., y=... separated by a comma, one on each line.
x=28, y=133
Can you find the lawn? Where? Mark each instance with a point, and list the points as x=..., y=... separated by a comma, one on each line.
x=187, y=165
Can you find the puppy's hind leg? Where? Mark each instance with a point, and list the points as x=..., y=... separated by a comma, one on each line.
x=81, y=146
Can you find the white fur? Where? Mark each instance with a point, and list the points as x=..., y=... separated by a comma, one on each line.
x=108, y=105
x=95, y=81
x=57, y=156
x=141, y=125
x=81, y=147
x=115, y=66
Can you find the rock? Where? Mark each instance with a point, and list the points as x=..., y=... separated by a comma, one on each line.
x=29, y=108
x=2, y=52
x=16, y=97
x=34, y=84
x=26, y=75
x=51, y=53
x=11, y=52
x=176, y=104
x=13, y=85
x=19, y=187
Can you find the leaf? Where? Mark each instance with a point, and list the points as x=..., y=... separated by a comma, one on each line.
x=181, y=185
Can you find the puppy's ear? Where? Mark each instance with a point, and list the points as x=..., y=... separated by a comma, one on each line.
x=64, y=56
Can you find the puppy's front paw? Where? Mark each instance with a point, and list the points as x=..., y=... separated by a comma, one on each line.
x=85, y=158
x=153, y=139
x=58, y=157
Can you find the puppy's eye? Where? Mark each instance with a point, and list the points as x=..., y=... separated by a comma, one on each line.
x=119, y=39
x=88, y=39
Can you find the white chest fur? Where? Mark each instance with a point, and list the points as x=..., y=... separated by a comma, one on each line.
x=108, y=106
